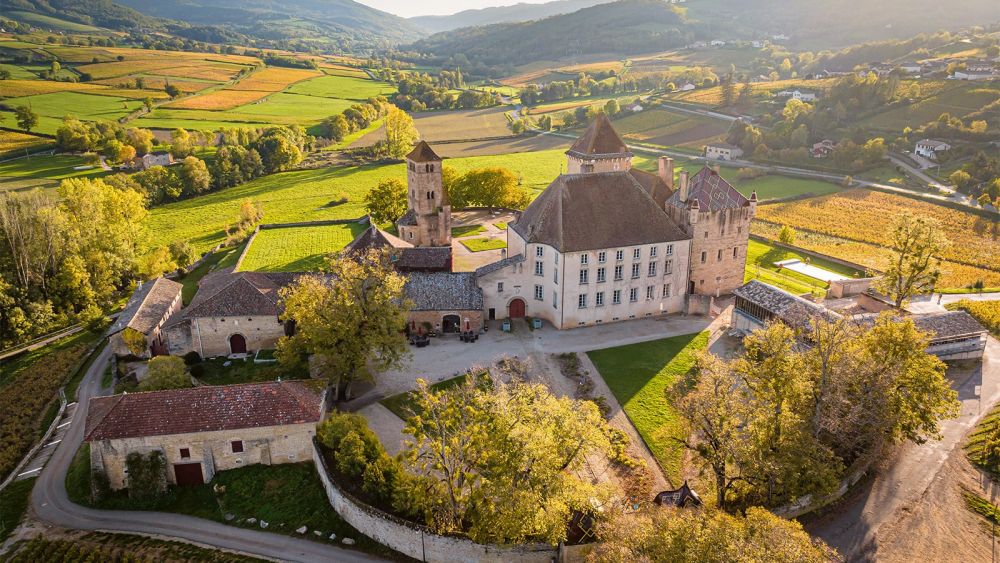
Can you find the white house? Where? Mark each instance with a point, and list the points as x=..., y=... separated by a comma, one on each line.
x=723, y=151
x=798, y=95
x=149, y=160
x=976, y=72
x=929, y=148
x=686, y=87
x=911, y=67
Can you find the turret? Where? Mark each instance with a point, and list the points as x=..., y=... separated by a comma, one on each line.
x=599, y=149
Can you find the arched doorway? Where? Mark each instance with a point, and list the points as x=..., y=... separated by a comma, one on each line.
x=515, y=309
x=451, y=323
x=237, y=344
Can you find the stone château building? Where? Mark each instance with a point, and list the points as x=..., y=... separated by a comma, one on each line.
x=427, y=221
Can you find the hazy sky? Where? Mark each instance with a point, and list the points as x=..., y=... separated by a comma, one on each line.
x=407, y=8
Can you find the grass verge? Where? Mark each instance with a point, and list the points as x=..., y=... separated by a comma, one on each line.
x=14, y=503
x=467, y=230
x=483, y=244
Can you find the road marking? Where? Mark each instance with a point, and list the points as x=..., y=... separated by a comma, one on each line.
x=52, y=443
x=68, y=422
x=29, y=471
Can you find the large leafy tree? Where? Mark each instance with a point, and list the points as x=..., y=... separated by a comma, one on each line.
x=400, y=133
x=165, y=372
x=490, y=187
x=386, y=202
x=349, y=320
x=917, y=243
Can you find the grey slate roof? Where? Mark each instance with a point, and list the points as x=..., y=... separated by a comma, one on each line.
x=423, y=153
x=444, y=291
x=792, y=309
x=424, y=258
x=711, y=191
x=593, y=211
x=948, y=325
x=499, y=265
x=600, y=139
x=147, y=306
x=223, y=294
x=408, y=219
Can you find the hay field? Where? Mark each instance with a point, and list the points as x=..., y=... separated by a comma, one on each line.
x=462, y=124
x=18, y=88
x=297, y=249
x=274, y=79
x=219, y=100
x=156, y=83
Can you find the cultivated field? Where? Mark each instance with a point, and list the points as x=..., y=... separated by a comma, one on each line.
x=343, y=87
x=12, y=142
x=274, y=79
x=462, y=124
x=669, y=129
x=958, y=101
x=219, y=100
x=297, y=249
x=51, y=108
x=713, y=96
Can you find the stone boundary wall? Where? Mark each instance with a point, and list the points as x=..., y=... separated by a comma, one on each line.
x=40, y=444
x=418, y=541
x=806, y=504
x=264, y=226
x=812, y=253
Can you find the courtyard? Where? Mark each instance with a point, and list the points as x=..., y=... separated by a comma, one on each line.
x=479, y=237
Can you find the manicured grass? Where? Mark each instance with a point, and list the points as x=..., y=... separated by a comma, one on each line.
x=467, y=230
x=305, y=195
x=402, y=404
x=51, y=108
x=297, y=249
x=760, y=265
x=639, y=375
x=285, y=496
x=502, y=225
x=342, y=87
x=483, y=244
x=13, y=505
x=241, y=371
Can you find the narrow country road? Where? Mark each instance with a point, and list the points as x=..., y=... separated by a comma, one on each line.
x=854, y=527
x=50, y=504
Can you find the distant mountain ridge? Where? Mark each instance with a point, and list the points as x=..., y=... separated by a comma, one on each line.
x=101, y=13
x=520, y=12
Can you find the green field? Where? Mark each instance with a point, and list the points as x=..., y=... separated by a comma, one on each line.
x=343, y=87
x=51, y=108
x=48, y=167
x=297, y=249
x=958, y=101
x=301, y=109
x=483, y=244
x=760, y=265
x=640, y=375
x=306, y=195
x=50, y=22
x=14, y=500
x=17, y=72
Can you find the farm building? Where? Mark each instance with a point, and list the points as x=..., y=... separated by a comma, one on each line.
x=203, y=430
x=151, y=159
x=822, y=149
x=930, y=148
x=146, y=312
x=723, y=151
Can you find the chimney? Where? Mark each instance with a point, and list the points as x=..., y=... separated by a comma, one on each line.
x=683, y=195
x=666, y=170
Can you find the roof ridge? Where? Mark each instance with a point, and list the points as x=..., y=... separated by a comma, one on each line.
x=241, y=278
x=104, y=416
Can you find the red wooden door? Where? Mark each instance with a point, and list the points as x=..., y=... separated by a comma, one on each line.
x=237, y=344
x=516, y=309
x=188, y=474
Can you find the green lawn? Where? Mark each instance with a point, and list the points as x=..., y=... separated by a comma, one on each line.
x=343, y=87
x=297, y=249
x=44, y=170
x=239, y=371
x=13, y=505
x=760, y=265
x=402, y=405
x=285, y=496
x=305, y=195
x=223, y=258
x=467, y=230
x=639, y=375
x=502, y=225
x=52, y=107
x=483, y=244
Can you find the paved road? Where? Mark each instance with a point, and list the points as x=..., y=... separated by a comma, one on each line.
x=58, y=335
x=891, y=496
x=50, y=504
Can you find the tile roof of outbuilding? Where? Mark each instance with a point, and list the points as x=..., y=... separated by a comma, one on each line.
x=202, y=409
x=423, y=152
x=443, y=291
x=711, y=191
x=792, y=309
x=223, y=294
x=147, y=306
x=374, y=237
x=948, y=325
x=593, y=211
x=600, y=139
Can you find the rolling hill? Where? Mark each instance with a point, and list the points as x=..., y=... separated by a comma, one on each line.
x=521, y=12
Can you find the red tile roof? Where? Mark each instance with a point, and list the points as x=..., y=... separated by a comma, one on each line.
x=202, y=409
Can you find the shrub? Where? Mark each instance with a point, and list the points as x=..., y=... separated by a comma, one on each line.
x=147, y=475
x=192, y=358
x=197, y=370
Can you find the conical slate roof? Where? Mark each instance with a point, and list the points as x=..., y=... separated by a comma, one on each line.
x=600, y=139
x=423, y=153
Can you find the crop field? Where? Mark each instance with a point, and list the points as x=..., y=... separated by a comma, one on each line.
x=986, y=312
x=462, y=124
x=11, y=141
x=503, y=146
x=861, y=215
x=219, y=100
x=343, y=87
x=958, y=102
x=307, y=195
x=18, y=88
x=51, y=108
x=297, y=249
x=297, y=108
x=199, y=120
x=342, y=70
x=274, y=79
x=156, y=83
x=953, y=275
x=664, y=128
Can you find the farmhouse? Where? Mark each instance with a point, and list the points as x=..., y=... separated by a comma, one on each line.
x=929, y=148
x=151, y=159
x=976, y=71
x=723, y=151
x=146, y=312
x=203, y=430
x=798, y=95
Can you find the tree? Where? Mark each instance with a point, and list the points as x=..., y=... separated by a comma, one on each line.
x=250, y=215
x=134, y=340
x=165, y=372
x=350, y=321
x=490, y=187
x=194, y=175
x=140, y=139
x=386, y=203
x=279, y=149
x=400, y=133
x=337, y=127
x=696, y=536
x=172, y=90
x=55, y=68
x=728, y=91
x=917, y=242
x=183, y=253
x=786, y=235
x=498, y=461
x=180, y=143
x=960, y=179
x=5, y=74
x=611, y=108
x=148, y=103
x=158, y=262
x=26, y=118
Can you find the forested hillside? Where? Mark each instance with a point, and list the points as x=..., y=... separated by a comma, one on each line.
x=520, y=12
x=103, y=13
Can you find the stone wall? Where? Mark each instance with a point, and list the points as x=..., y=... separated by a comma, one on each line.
x=436, y=319
x=269, y=445
x=418, y=541
x=719, y=250
x=209, y=336
x=846, y=288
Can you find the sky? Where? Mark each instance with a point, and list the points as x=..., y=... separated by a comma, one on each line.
x=409, y=8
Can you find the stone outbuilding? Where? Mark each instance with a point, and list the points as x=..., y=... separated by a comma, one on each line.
x=447, y=302
x=146, y=312
x=203, y=430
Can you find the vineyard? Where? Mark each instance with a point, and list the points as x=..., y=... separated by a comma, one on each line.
x=865, y=216
x=986, y=312
x=274, y=79
x=11, y=141
x=219, y=100
x=117, y=549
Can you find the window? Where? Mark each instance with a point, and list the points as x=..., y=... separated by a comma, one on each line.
x=237, y=446
x=581, y=301
x=633, y=294
x=739, y=230
x=706, y=234
x=555, y=300
x=719, y=259
x=636, y=253
x=619, y=272
x=499, y=287
x=668, y=267
x=650, y=292
x=602, y=257
x=599, y=299
x=555, y=275
x=539, y=251
x=635, y=271
x=538, y=292
x=652, y=252
x=411, y=235
x=704, y=256
x=584, y=276
x=736, y=252
x=670, y=250
x=584, y=259
x=540, y=268
x=620, y=255
x=601, y=275
x=652, y=268
x=616, y=297
x=185, y=453
x=666, y=290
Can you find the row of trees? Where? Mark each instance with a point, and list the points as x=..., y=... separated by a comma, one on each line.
x=354, y=118
x=418, y=92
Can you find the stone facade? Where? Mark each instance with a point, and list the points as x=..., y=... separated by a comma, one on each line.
x=268, y=445
x=147, y=311
x=213, y=336
x=428, y=220
x=467, y=319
